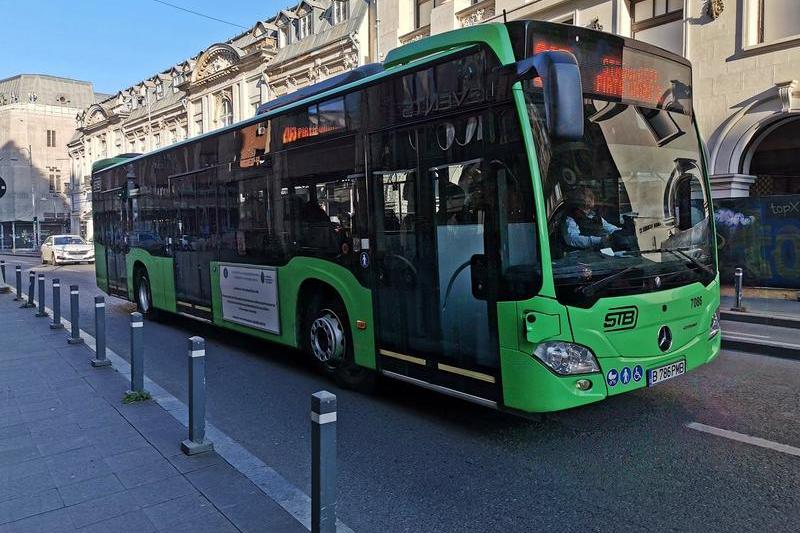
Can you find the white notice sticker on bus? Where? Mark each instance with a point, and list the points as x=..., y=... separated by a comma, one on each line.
x=250, y=296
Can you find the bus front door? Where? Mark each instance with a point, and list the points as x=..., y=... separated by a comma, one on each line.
x=430, y=327
x=193, y=244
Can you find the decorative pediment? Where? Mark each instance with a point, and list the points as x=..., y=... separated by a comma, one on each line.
x=285, y=17
x=308, y=6
x=95, y=115
x=262, y=29
x=216, y=59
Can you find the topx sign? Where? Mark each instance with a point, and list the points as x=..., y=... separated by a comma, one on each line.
x=2, y=188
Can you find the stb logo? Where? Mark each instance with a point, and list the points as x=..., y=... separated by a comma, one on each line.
x=620, y=318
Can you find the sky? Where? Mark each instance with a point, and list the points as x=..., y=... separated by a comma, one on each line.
x=113, y=43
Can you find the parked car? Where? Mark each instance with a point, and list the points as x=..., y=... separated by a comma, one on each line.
x=60, y=249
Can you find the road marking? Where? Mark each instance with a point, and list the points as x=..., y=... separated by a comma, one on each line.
x=769, y=342
x=747, y=439
x=293, y=500
x=749, y=335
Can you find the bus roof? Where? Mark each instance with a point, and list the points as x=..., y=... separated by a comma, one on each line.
x=101, y=164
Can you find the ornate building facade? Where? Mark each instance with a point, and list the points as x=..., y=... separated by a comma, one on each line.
x=222, y=85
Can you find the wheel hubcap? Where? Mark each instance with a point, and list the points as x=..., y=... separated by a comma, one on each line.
x=144, y=300
x=327, y=338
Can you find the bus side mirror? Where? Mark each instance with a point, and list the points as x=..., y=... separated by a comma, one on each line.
x=479, y=275
x=563, y=92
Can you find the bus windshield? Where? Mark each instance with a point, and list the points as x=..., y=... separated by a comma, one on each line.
x=627, y=204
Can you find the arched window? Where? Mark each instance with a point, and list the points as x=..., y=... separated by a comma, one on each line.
x=776, y=161
x=225, y=117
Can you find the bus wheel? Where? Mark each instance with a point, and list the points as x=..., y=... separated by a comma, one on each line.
x=143, y=296
x=328, y=340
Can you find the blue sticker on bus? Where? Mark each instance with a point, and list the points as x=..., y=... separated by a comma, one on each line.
x=638, y=373
x=625, y=375
x=611, y=377
x=364, y=259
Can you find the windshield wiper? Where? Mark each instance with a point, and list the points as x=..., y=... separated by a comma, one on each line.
x=681, y=253
x=589, y=290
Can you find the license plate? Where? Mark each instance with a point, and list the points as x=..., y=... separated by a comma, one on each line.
x=663, y=373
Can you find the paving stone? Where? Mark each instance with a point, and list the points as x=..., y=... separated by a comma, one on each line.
x=12, y=431
x=99, y=509
x=74, y=466
x=97, y=487
x=213, y=523
x=9, y=473
x=133, y=522
x=173, y=513
x=58, y=445
x=162, y=491
x=19, y=508
x=18, y=455
x=259, y=515
x=26, y=486
x=223, y=485
x=57, y=521
x=189, y=463
x=132, y=459
x=147, y=473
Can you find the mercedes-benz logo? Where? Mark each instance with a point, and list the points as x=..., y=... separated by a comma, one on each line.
x=664, y=338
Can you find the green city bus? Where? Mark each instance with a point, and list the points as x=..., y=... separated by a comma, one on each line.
x=516, y=214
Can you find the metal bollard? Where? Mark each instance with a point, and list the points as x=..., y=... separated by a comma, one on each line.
x=323, y=462
x=74, y=316
x=41, y=313
x=4, y=288
x=137, y=356
x=56, y=305
x=100, y=358
x=31, y=289
x=197, y=442
x=737, y=284
x=18, y=297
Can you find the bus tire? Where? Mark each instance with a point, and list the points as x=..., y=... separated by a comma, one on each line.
x=143, y=296
x=328, y=341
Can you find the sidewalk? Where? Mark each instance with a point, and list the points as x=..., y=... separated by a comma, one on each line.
x=73, y=457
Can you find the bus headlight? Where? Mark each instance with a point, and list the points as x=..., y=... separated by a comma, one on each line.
x=714, y=329
x=567, y=358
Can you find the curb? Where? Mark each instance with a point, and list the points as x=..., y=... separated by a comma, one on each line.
x=784, y=321
x=761, y=347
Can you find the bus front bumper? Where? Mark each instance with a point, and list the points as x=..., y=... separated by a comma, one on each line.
x=554, y=392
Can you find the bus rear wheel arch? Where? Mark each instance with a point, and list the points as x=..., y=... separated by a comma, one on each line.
x=142, y=293
x=325, y=335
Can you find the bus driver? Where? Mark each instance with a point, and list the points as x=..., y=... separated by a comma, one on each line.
x=584, y=229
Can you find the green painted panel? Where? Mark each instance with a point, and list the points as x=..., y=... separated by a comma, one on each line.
x=686, y=310
x=357, y=301
x=161, y=274
x=100, y=267
x=494, y=34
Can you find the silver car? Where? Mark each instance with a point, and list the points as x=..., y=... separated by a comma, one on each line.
x=60, y=249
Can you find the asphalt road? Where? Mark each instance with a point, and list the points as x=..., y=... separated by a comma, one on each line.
x=412, y=460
